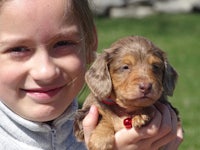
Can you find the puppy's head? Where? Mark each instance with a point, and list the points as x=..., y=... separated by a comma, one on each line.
x=134, y=72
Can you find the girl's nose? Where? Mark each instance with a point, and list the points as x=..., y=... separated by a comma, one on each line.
x=44, y=68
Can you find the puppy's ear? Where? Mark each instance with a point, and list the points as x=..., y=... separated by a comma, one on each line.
x=170, y=78
x=98, y=77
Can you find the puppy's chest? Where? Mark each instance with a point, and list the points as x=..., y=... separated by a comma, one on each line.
x=116, y=118
x=118, y=122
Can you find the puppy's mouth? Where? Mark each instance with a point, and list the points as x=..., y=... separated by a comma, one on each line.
x=140, y=97
x=136, y=102
x=145, y=97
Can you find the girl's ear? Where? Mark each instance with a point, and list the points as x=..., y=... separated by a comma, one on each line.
x=170, y=78
x=98, y=77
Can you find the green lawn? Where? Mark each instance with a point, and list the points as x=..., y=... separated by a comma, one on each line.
x=179, y=36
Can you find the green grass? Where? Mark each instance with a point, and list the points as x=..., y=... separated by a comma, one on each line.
x=179, y=36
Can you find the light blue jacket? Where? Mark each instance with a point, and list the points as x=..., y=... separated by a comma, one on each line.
x=17, y=133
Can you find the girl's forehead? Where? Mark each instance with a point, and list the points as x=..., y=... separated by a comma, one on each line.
x=38, y=8
x=36, y=16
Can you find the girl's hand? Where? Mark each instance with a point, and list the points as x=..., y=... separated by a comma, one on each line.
x=163, y=131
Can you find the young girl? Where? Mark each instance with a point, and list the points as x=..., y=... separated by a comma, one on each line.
x=45, y=46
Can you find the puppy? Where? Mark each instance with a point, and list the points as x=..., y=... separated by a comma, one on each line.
x=126, y=80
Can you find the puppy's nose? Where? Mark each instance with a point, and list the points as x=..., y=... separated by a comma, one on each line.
x=145, y=87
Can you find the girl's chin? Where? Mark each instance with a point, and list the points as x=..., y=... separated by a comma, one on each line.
x=41, y=118
x=42, y=115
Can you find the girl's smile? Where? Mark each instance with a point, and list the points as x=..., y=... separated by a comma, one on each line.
x=43, y=95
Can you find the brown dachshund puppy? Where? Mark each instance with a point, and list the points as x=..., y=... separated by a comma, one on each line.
x=125, y=81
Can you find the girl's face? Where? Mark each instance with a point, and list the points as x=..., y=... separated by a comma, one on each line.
x=42, y=58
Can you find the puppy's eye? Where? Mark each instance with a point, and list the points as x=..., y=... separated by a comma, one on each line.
x=125, y=67
x=157, y=67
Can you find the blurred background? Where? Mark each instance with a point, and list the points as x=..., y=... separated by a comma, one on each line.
x=172, y=25
x=142, y=8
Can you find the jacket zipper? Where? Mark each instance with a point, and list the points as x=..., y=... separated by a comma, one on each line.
x=53, y=138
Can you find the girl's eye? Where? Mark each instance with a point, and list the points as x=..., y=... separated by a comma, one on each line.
x=65, y=47
x=19, y=51
x=63, y=43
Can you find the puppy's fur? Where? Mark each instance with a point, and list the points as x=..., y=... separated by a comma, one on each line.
x=133, y=74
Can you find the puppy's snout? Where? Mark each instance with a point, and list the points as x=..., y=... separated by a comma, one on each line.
x=145, y=87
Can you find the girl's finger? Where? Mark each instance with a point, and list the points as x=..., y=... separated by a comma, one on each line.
x=90, y=122
x=168, y=128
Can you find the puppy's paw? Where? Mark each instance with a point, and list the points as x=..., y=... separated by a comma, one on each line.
x=140, y=120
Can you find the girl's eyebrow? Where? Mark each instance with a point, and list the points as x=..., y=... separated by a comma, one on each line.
x=13, y=40
x=68, y=35
x=71, y=34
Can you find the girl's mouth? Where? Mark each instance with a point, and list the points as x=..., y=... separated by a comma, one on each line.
x=43, y=95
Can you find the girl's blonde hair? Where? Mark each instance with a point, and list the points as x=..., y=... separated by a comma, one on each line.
x=84, y=15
